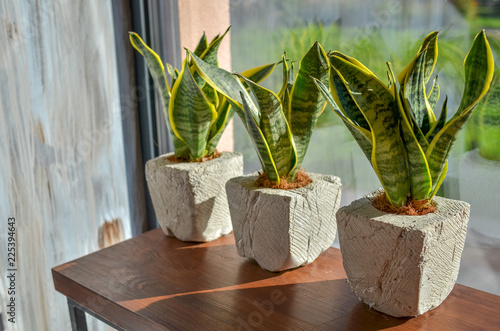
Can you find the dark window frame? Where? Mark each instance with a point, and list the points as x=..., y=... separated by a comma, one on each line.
x=145, y=134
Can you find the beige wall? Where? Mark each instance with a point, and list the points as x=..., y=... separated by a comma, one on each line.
x=211, y=17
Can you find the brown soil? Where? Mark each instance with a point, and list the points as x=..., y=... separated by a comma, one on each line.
x=175, y=159
x=412, y=208
x=301, y=180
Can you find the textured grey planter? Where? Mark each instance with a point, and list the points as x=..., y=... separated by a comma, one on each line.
x=190, y=198
x=283, y=229
x=402, y=265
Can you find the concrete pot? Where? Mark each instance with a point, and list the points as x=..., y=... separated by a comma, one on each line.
x=402, y=265
x=283, y=229
x=190, y=198
x=479, y=185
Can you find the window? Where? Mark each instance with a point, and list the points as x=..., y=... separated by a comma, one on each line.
x=375, y=32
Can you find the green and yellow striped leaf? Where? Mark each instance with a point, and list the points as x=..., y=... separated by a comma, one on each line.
x=439, y=123
x=414, y=94
x=306, y=101
x=226, y=112
x=345, y=101
x=363, y=137
x=440, y=146
x=416, y=130
x=260, y=144
x=274, y=128
x=351, y=60
x=211, y=94
x=209, y=55
x=285, y=76
x=420, y=177
x=258, y=74
x=285, y=102
x=479, y=67
x=430, y=45
x=155, y=66
x=191, y=113
x=202, y=45
x=291, y=77
x=377, y=103
x=157, y=71
x=173, y=72
x=170, y=70
x=434, y=94
x=284, y=93
x=440, y=180
x=227, y=84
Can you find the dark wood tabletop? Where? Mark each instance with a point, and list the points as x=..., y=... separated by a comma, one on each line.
x=154, y=282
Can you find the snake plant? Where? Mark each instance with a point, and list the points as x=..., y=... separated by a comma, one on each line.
x=195, y=113
x=395, y=125
x=280, y=125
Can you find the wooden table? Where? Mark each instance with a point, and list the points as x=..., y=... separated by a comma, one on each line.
x=153, y=282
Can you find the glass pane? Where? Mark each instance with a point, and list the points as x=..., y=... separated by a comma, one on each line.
x=376, y=32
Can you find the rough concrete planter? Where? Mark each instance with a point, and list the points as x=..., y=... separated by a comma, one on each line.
x=283, y=229
x=190, y=198
x=479, y=184
x=402, y=265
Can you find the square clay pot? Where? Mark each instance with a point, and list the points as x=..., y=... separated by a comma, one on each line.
x=189, y=198
x=402, y=265
x=283, y=229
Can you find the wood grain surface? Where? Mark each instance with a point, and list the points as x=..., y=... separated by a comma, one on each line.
x=153, y=282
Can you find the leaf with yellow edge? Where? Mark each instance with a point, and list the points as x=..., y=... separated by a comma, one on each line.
x=430, y=44
x=190, y=113
x=209, y=55
x=260, y=144
x=479, y=67
x=227, y=84
x=420, y=177
x=226, y=112
x=260, y=73
x=377, y=104
x=274, y=128
x=363, y=137
x=202, y=45
x=155, y=66
x=157, y=71
x=306, y=101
